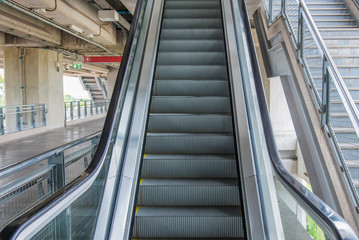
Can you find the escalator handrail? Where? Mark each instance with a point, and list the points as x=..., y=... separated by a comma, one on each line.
x=334, y=221
x=12, y=230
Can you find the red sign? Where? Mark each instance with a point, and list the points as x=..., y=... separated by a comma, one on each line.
x=103, y=59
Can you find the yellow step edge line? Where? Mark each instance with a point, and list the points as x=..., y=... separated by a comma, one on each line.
x=137, y=208
x=141, y=180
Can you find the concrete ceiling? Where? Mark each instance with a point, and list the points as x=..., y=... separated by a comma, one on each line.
x=74, y=14
x=23, y=30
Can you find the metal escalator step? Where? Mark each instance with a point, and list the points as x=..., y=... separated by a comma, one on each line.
x=187, y=222
x=186, y=238
x=192, y=34
x=181, y=72
x=203, y=45
x=183, y=23
x=189, y=166
x=187, y=123
x=191, y=88
x=183, y=104
x=191, y=4
x=191, y=13
x=188, y=192
x=182, y=143
x=191, y=58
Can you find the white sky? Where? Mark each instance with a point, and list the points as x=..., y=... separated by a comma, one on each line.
x=73, y=87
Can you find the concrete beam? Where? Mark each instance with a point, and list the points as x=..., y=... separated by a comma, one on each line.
x=130, y=5
x=18, y=24
x=353, y=8
x=13, y=41
x=82, y=47
x=103, y=4
x=78, y=13
x=2, y=38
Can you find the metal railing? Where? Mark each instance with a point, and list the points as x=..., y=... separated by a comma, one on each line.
x=27, y=183
x=21, y=117
x=339, y=114
x=85, y=108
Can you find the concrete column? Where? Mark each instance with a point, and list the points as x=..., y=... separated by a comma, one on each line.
x=12, y=76
x=282, y=124
x=279, y=112
x=12, y=81
x=42, y=82
x=111, y=80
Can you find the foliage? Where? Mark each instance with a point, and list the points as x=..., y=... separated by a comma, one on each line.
x=69, y=98
x=312, y=227
x=314, y=230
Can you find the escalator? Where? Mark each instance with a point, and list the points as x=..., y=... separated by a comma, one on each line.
x=189, y=182
x=187, y=150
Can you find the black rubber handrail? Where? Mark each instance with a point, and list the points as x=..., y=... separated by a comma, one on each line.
x=15, y=227
x=334, y=221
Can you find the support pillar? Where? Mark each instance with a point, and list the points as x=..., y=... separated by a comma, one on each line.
x=111, y=80
x=12, y=76
x=12, y=81
x=42, y=81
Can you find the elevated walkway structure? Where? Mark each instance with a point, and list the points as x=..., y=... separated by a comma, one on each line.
x=187, y=150
x=313, y=43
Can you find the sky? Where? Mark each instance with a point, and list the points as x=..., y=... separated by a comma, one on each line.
x=73, y=87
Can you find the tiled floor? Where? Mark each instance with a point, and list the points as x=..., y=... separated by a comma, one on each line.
x=19, y=150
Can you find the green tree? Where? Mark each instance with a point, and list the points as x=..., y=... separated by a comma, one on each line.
x=2, y=91
x=69, y=98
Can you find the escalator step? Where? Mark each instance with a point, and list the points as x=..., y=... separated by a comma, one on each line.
x=190, y=123
x=182, y=143
x=191, y=58
x=192, y=13
x=188, y=192
x=190, y=88
x=189, y=166
x=187, y=222
x=192, y=34
x=183, y=104
x=181, y=72
x=203, y=45
x=190, y=4
x=180, y=23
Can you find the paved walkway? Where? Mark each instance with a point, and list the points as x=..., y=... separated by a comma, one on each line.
x=19, y=150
